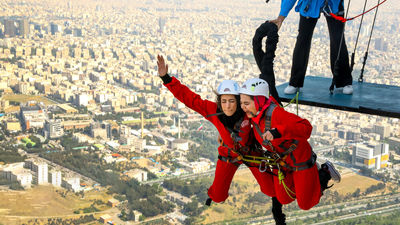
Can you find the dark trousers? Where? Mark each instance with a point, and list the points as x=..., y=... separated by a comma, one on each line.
x=301, y=52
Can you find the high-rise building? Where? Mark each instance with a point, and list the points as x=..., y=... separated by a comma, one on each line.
x=42, y=173
x=81, y=99
x=353, y=136
x=145, y=66
x=10, y=30
x=161, y=24
x=77, y=32
x=55, y=178
x=54, y=28
x=371, y=156
x=383, y=131
x=381, y=44
x=72, y=183
x=53, y=129
x=24, y=27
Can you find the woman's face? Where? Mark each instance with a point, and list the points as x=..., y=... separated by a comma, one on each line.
x=248, y=106
x=228, y=104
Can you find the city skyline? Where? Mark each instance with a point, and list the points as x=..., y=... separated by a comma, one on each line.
x=79, y=81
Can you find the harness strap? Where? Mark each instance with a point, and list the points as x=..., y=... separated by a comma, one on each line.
x=301, y=166
x=268, y=116
x=215, y=114
x=291, y=148
x=234, y=161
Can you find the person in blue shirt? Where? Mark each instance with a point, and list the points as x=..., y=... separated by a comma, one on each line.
x=310, y=11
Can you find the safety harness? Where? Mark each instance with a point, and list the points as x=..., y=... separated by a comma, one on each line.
x=268, y=160
x=279, y=159
x=237, y=148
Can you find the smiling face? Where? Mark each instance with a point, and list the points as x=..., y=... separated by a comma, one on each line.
x=228, y=104
x=248, y=106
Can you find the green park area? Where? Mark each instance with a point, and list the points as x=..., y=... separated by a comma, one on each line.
x=20, y=98
x=28, y=142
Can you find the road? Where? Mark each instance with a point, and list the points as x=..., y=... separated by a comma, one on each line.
x=348, y=210
x=366, y=213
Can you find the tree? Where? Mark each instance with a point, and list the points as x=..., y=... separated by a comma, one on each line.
x=192, y=208
x=131, y=215
x=356, y=193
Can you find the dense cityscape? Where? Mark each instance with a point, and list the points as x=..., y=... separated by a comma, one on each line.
x=90, y=136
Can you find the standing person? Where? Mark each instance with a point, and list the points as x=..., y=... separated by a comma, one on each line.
x=310, y=11
x=233, y=127
x=284, y=135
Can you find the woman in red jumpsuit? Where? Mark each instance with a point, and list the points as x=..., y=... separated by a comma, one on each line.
x=285, y=136
x=230, y=121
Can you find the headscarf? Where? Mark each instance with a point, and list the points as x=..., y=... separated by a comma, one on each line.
x=261, y=103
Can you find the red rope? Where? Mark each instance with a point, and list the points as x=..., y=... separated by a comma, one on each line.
x=343, y=20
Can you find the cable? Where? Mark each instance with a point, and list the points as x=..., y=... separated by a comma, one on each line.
x=358, y=35
x=343, y=20
x=360, y=79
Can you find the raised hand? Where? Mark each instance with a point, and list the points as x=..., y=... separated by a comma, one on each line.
x=162, y=67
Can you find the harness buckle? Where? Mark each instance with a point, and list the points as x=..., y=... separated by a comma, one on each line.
x=235, y=137
x=276, y=156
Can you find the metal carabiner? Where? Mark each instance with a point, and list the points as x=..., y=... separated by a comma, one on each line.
x=265, y=167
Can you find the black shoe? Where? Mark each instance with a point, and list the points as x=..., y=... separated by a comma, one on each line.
x=335, y=175
x=324, y=178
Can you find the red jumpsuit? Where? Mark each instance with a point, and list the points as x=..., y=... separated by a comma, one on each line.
x=224, y=171
x=305, y=183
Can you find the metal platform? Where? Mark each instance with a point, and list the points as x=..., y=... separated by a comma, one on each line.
x=368, y=98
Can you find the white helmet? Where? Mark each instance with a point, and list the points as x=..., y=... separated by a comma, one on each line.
x=255, y=87
x=228, y=87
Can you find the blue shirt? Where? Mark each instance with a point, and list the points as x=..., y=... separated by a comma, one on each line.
x=314, y=8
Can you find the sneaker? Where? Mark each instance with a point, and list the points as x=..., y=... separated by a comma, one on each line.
x=335, y=175
x=348, y=90
x=289, y=90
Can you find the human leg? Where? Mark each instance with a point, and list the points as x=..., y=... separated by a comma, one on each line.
x=265, y=180
x=342, y=69
x=279, y=216
x=224, y=173
x=307, y=187
x=301, y=51
x=284, y=189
